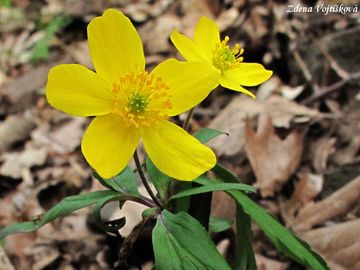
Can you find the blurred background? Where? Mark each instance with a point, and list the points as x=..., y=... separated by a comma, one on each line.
x=298, y=142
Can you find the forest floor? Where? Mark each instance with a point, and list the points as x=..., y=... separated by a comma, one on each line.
x=303, y=159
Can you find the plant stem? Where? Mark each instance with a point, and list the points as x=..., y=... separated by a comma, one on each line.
x=186, y=124
x=143, y=180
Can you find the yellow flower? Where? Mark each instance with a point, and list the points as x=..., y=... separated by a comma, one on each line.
x=131, y=104
x=208, y=48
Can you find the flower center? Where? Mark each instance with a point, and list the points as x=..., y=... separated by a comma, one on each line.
x=225, y=58
x=141, y=99
x=137, y=103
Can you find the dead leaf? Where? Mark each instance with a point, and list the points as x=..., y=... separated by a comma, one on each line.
x=17, y=162
x=291, y=93
x=336, y=204
x=68, y=136
x=161, y=28
x=4, y=261
x=80, y=53
x=347, y=154
x=339, y=244
x=231, y=119
x=29, y=82
x=140, y=11
x=306, y=189
x=284, y=112
x=14, y=129
x=273, y=160
x=222, y=205
x=268, y=88
x=264, y=263
x=320, y=151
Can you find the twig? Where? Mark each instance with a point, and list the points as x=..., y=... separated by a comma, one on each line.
x=307, y=74
x=324, y=91
x=144, y=181
x=186, y=124
x=343, y=74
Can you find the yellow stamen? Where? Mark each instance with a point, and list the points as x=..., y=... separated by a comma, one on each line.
x=141, y=99
x=225, y=58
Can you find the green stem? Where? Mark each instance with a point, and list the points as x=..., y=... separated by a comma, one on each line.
x=144, y=181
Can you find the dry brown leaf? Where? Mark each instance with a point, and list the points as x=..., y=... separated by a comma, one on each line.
x=306, y=189
x=347, y=154
x=160, y=29
x=339, y=244
x=80, y=53
x=29, y=82
x=14, y=129
x=222, y=205
x=141, y=11
x=337, y=204
x=18, y=163
x=273, y=160
x=320, y=151
x=284, y=112
x=192, y=11
x=68, y=136
x=231, y=119
x=264, y=263
x=4, y=261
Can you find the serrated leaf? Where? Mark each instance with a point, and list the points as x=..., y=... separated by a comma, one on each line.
x=210, y=188
x=124, y=182
x=63, y=208
x=282, y=238
x=206, y=134
x=181, y=243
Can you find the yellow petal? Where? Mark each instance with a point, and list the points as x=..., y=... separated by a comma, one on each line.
x=189, y=82
x=248, y=74
x=207, y=35
x=227, y=83
x=176, y=153
x=108, y=144
x=115, y=46
x=187, y=48
x=76, y=90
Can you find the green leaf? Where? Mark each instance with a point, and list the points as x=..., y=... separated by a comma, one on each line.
x=210, y=188
x=282, y=238
x=5, y=3
x=41, y=49
x=63, y=208
x=150, y=212
x=161, y=181
x=181, y=243
x=124, y=182
x=206, y=134
x=217, y=225
x=200, y=206
x=245, y=259
x=224, y=174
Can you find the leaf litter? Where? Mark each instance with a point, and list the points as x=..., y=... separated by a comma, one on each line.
x=303, y=157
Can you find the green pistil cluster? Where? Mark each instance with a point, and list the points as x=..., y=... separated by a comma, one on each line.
x=138, y=103
x=225, y=58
